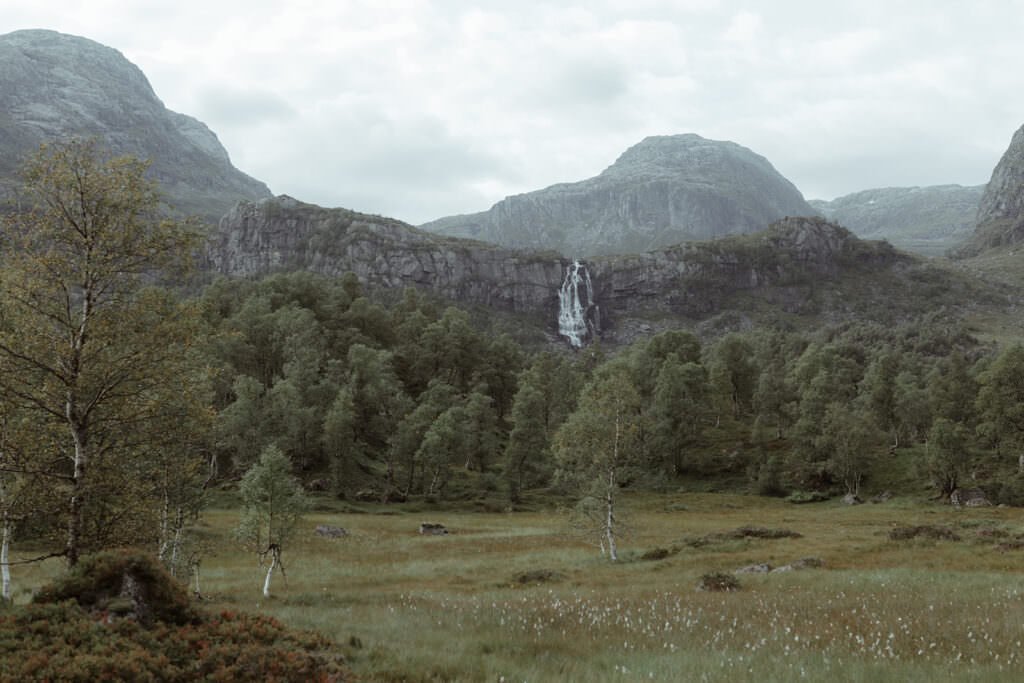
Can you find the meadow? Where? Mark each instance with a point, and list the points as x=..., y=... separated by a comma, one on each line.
x=521, y=597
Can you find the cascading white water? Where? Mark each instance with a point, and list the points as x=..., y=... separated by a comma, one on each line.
x=573, y=304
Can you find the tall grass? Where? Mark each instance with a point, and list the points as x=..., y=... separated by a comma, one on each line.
x=405, y=607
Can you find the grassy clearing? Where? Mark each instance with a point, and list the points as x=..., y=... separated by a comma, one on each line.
x=405, y=607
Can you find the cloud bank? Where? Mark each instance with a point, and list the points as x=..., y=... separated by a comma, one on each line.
x=418, y=109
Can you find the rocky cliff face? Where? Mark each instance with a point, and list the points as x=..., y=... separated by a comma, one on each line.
x=284, y=234
x=1000, y=219
x=788, y=266
x=56, y=86
x=695, y=280
x=662, y=191
x=923, y=220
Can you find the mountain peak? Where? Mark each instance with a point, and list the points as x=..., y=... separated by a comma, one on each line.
x=663, y=190
x=58, y=86
x=685, y=155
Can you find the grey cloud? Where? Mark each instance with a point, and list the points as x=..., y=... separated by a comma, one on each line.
x=243, y=107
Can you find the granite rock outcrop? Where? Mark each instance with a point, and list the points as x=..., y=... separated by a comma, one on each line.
x=1000, y=218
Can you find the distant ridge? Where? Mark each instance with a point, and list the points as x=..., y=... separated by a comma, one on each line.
x=924, y=220
x=661, y=191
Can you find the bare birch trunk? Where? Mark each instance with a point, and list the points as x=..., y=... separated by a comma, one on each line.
x=5, y=565
x=609, y=528
x=165, y=516
x=270, y=571
x=79, y=432
x=74, y=544
x=179, y=523
x=609, y=521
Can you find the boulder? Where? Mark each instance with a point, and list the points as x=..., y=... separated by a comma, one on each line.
x=431, y=529
x=852, y=499
x=762, y=568
x=970, y=498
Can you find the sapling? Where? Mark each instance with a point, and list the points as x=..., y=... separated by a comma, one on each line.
x=273, y=504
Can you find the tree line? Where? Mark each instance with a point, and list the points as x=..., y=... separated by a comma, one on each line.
x=124, y=396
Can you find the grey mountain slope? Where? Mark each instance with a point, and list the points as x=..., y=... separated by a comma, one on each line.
x=925, y=220
x=1000, y=219
x=55, y=86
x=661, y=191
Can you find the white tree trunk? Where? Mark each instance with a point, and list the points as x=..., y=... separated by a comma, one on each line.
x=165, y=521
x=609, y=518
x=5, y=566
x=175, y=546
x=609, y=521
x=266, y=581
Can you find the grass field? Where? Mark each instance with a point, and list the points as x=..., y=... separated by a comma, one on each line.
x=405, y=607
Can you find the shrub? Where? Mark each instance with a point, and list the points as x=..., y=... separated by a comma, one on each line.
x=537, y=576
x=65, y=642
x=800, y=497
x=935, y=533
x=718, y=582
x=71, y=632
x=655, y=554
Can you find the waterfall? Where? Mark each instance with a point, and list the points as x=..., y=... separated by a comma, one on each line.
x=573, y=304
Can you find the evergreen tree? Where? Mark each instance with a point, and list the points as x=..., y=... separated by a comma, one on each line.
x=527, y=450
x=680, y=395
x=1000, y=402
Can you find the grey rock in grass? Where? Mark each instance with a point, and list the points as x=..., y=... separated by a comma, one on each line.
x=802, y=563
x=971, y=498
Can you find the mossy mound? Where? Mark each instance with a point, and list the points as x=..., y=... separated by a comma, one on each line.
x=122, y=581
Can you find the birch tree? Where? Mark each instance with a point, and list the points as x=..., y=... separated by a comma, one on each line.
x=596, y=449
x=93, y=353
x=273, y=503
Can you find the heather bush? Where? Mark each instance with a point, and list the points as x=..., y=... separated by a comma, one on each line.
x=78, y=629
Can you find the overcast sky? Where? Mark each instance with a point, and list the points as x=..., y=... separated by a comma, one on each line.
x=422, y=108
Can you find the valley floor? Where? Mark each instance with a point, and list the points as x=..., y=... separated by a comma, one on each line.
x=520, y=597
